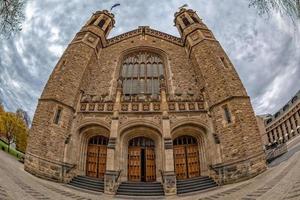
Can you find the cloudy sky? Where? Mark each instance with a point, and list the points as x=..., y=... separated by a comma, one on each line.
x=265, y=50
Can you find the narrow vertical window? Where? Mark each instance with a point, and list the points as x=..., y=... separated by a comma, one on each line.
x=57, y=115
x=227, y=114
x=195, y=19
x=101, y=23
x=185, y=21
x=224, y=62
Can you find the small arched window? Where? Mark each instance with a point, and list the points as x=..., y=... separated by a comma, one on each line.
x=101, y=23
x=195, y=19
x=185, y=21
x=141, y=73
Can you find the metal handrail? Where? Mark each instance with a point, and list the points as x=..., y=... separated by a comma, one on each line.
x=118, y=176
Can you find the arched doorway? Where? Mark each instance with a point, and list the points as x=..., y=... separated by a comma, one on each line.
x=141, y=159
x=186, y=157
x=96, y=156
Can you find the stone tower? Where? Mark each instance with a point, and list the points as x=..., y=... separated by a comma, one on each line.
x=228, y=104
x=144, y=106
x=57, y=105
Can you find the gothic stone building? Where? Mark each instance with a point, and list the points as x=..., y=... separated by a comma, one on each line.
x=144, y=106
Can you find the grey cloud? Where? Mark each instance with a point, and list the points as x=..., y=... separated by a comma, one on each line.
x=261, y=49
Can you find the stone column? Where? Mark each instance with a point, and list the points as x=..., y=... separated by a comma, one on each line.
x=281, y=137
x=297, y=115
x=112, y=173
x=284, y=132
x=168, y=173
x=275, y=135
x=289, y=127
x=293, y=125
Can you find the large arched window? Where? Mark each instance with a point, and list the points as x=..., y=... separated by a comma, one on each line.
x=141, y=73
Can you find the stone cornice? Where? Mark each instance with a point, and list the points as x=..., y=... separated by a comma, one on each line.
x=144, y=30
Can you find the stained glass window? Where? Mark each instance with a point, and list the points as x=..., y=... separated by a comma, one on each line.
x=140, y=74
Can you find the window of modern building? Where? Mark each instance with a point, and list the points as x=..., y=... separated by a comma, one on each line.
x=269, y=121
x=294, y=99
x=269, y=137
x=285, y=107
x=141, y=73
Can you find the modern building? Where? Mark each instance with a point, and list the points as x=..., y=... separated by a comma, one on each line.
x=144, y=107
x=284, y=125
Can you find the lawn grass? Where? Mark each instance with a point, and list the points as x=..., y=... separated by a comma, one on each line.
x=14, y=152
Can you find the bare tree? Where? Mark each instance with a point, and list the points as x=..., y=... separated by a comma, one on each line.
x=11, y=16
x=290, y=8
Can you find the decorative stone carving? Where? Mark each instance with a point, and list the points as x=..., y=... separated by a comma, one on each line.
x=96, y=99
x=100, y=107
x=83, y=107
x=157, y=119
x=110, y=107
x=123, y=119
x=169, y=183
x=91, y=107
x=135, y=107
x=86, y=98
x=173, y=119
x=124, y=107
x=108, y=119
x=111, y=181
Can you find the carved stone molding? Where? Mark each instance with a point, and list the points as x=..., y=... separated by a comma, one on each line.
x=148, y=31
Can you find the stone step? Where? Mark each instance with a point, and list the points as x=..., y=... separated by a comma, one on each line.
x=87, y=183
x=195, y=184
x=142, y=183
x=195, y=179
x=140, y=189
x=90, y=179
x=200, y=185
x=141, y=194
x=194, y=189
x=87, y=187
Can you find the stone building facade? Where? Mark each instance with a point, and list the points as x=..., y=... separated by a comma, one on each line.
x=284, y=125
x=175, y=103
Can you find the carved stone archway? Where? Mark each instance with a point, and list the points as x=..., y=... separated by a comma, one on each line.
x=139, y=131
x=202, y=141
x=85, y=134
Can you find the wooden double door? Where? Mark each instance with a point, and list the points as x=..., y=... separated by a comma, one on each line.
x=96, y=157
x=141, y=160
x=186, y=157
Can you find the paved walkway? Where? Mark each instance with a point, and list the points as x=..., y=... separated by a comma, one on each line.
x=280, y=181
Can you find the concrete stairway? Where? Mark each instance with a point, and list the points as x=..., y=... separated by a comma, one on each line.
x=87, y=183
x=195, y=184
x=140, y=189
